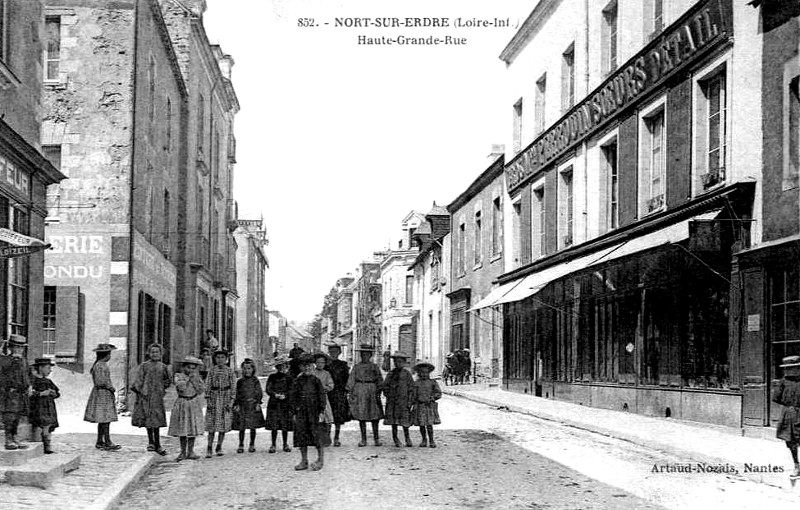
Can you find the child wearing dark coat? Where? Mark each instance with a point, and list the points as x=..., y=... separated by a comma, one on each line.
x=788, y=395
x=425, y=411
x=279, y=407
x=43, y=413
x=399, y=390
x=247, y=405
x=308, y=406
x=15, y=389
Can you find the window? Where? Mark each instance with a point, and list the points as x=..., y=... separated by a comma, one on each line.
x=609, y=35
x=565, y=204
x=539, y=104
x=791, y=144
x=52, y=27
x=18, y=278
x=784, y=315
x=518, y=224
x=409, y=289
x=53, y=154
x=711, y=128
x=568, y=78
x=169, y=125
x=49, y=322
x=165, y=235
x=201, y=119
x=658, y=16
x=517, y=126
x=462, y=248
x=497, y=226
x=538, y=223
x=652, y=161
x=612, y=183
x=478, y=244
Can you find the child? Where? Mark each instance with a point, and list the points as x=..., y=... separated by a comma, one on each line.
x=14, y=390
x=151, y=383
x=425, y=412
x=186, y=420
x=220, y=392
x=308, y=406
x=364, y=385
x=101, y=407
x=247, y=406
x=279, y=408
x=399, y=390
x=320, y=361
x=43, y=405
x=788, y=395
x=337, y=397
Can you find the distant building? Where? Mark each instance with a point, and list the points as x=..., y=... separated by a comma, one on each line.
x=251, y=319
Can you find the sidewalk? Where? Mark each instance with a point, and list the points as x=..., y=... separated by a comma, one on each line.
x=690, y=442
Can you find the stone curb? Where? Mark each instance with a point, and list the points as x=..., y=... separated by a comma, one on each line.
x=127, y=478
x=653, y=444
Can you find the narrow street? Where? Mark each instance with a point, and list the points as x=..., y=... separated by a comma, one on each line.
x=487, y=458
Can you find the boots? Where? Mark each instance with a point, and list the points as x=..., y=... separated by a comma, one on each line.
x=190, y=450
x=407, y=435
x=19, y=446
x=182, y=455
x=10, y=445
x=46, y=442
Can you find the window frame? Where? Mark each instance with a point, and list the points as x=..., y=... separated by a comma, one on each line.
x=517, y=127
x=610, y=220
x=610, y=38
x=46, y=58
x=568, y=78
x=497, y=225
x=721, y=65
x=646, y=199
x=538, y=227
x=566, y=204
x=540, y=105
x=791, y=87
x=477, y=244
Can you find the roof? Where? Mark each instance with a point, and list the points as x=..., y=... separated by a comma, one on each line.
x=438, y=210
x=494, y=171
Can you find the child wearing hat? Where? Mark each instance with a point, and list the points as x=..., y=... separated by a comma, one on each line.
x=425, y=411
x=337, y=397
x=14, y=390
x=220, y=393
x=247, y=405
x=364, y=386
x=320, y=362
x=150, y=385
x=186, y=420
x=43, y=406
x=399, y=390
x=308, y=406
x=788, y=395
x=101, y=407
x=279, y=408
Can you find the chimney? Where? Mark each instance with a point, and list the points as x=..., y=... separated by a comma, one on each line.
x=498, y=149
x=225, y=64
x=198, y=7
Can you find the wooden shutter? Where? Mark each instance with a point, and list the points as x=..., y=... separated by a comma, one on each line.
x=525, y=233
x=68, y=314
x=679, y=143
x=550, y=212
x=627, y=164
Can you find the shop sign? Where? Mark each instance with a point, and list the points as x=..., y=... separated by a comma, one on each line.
x=13, y=176
x=702, y=27
x=17, y=239
x=20, y=251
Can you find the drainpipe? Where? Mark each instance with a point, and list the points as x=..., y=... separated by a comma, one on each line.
x=131, y=229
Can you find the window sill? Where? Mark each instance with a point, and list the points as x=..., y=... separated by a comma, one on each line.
x=477, y=266
x=461, y=275
x=496, y=257
x=709, y=189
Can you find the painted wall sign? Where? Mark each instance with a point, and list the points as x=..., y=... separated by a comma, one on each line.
x=702, y=27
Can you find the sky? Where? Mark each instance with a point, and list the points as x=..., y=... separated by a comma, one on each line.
x=337, y=142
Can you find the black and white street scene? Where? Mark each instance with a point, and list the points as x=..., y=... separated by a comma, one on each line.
x=417, y=254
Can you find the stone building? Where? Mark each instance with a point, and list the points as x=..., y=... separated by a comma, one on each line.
x=24, y=175
x=477, y=260
x=206, y=276
x=632, y=181
x=251, y=320
x=115, y=106
x=431, y=270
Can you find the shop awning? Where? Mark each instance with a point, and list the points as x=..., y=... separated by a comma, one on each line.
x=529, y=285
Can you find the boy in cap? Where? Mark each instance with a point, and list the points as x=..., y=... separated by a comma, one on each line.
x=43, y=406
x=14, y=390
x=788, y=395
x=308, y=405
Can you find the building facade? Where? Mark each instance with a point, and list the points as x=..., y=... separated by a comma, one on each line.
x=431, y=269
x=631, y=180
x=477, y=260
x=25, y=175
x=206, y=275
x=251, y=320
x=115, y=105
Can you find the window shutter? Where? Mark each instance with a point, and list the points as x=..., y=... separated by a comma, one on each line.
x=679, y=143
x=526, y=232
x=67, y=321
x=627, y=159
x=551, y=212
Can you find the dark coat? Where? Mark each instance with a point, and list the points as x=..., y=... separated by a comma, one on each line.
x=308, y=402
x=14, y=383
x=43, y=407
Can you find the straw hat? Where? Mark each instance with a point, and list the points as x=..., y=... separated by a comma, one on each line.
x=17, y=340
x=399, y=354
x=221, y=351
x=43, y=361
x=282, y=359
x=105, y=348
x=191, y=360
x=424, y=365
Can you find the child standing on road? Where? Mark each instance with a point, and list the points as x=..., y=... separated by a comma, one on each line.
x=279, y=408
x=14, y=390
x=152, y=380
x=364, y=387
x=308, y=404
x=186, y=420
x=43, y=405
x=399, y=390
x=788, y=395
x=425, y=412
x=220, y=393
x=247, y=406
x=101, y=407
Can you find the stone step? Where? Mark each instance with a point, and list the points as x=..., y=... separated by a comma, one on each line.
x=43, y=471
x=17, y=457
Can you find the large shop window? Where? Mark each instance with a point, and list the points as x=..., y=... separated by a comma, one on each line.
x=784, y=315
x=63, y=322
